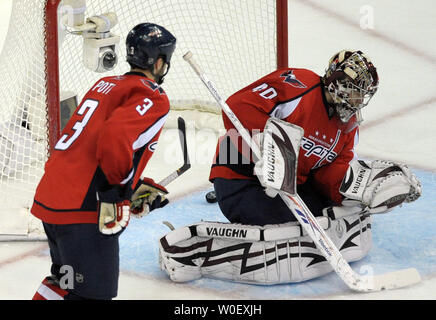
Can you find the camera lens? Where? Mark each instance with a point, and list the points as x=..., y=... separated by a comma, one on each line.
x=109, y=60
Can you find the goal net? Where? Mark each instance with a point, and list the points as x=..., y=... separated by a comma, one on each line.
x=44, y=77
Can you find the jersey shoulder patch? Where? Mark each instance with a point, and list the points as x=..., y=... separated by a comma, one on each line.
x=290, y=78
x=153, y=86
x=140, y=82
x=299, y=78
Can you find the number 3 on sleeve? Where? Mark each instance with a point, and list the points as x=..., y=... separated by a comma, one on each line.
x=142, y=109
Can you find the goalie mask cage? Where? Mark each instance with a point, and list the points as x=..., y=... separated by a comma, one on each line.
x=41, y=64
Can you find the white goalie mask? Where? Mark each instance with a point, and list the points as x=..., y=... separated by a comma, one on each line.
x=351, y=80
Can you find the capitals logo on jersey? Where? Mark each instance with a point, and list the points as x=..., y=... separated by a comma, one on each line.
x=291, y=79
x=324, y=151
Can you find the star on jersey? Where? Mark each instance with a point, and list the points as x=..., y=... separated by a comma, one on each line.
x=291, y=79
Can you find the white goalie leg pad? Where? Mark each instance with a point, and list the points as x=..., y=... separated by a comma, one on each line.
x=262, y=255
x=172, y=254
x=352, y=236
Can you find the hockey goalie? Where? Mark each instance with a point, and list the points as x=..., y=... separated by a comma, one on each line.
x=307, y=128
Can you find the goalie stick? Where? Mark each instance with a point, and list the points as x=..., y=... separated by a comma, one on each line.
x=325, y=245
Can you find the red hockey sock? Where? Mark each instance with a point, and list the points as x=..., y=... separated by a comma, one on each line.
x=49, y=290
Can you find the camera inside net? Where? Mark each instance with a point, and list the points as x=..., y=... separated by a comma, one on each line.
x=108, y=59
x=100, y=52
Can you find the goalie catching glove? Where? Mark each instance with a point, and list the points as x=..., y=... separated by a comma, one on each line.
x=113, y=211
x=147, y=196
x=279, y=144
x=379, y=185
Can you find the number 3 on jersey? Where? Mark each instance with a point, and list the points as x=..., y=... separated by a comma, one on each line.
x=87, y=109
x=142, y=109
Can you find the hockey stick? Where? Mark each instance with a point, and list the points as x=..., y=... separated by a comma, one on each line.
x=175, y=174
x=325, y=245
x=186, y=163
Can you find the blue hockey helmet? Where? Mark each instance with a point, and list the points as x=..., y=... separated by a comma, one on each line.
x=146, y=43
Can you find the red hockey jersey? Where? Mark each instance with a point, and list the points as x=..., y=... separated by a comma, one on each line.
x=107, y=142
x=295, y=96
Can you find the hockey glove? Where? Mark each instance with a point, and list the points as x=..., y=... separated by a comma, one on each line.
x=379, y=185
x=113, y=211
x=279, y=145
x=259, y=168
x=147, y=196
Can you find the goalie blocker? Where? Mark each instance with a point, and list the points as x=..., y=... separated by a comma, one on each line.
x=265, y=255
x=277, y=168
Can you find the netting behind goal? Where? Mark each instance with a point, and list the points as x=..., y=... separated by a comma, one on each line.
x=236, y=41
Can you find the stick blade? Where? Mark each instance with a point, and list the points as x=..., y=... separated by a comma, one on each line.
x=393, y=280
x=182, y=136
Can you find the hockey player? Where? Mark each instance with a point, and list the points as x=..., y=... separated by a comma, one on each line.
x=264, y=243
x=94, y=171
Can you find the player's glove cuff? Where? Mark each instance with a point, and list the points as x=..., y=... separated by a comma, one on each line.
x=113, y=211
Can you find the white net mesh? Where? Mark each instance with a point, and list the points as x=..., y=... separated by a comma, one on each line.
x=22, y=96
x=234, y=41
